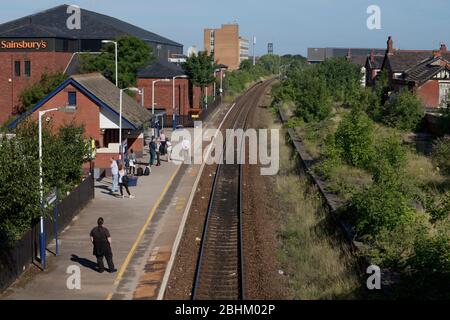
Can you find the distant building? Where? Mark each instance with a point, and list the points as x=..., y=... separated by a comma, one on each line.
x=317, y=55
x=42, y=43
x=226, y=45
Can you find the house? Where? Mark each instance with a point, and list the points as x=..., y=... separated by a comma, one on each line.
x=94, y=102
x=318, y=55
x=423, y=71
x=373, y=65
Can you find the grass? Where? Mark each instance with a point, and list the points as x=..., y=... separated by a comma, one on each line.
x=314, y=255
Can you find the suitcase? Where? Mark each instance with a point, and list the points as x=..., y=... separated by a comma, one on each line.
x=147, y=171
x=139, y=172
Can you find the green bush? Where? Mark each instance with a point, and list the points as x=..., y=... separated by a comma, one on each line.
x=382, y=206
x=312, y=98
x=355, y=138
x=427, y=272
x=441, y=154
x=63, y=156
x=404, y=112
x=35, y=93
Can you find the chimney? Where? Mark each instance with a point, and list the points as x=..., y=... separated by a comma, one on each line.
x=390, y=45
x=443, y=47
x=372, y=56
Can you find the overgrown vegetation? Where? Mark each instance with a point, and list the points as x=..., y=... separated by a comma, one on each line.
x=132, y=54
x=63, y=154
x=237, y=81
x=35, y=93
x=398, y=199
x=317, y=260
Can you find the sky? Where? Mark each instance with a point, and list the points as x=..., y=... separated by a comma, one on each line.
x=291, y=25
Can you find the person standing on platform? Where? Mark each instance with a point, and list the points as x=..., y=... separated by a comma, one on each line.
x=115, y=175
x=101, y=239
x=152, y=151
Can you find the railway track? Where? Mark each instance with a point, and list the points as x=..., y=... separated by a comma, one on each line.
x=220, y=266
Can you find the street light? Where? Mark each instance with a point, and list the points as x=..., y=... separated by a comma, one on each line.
x=41, y=184
x=115, y=48
x=173, y=98
x=153, y=92
x=120, y=116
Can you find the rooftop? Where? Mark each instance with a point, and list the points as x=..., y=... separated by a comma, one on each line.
x=160, y=70
x=95, y=26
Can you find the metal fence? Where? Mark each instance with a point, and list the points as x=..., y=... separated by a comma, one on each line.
x=15, y=260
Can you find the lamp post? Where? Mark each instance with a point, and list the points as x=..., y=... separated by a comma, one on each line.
x=41, y=190
x=153, y=92
x=120, y=116
x=115, y=48
x=173, y=99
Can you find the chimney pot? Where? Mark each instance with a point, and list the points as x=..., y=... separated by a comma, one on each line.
x=390, y=45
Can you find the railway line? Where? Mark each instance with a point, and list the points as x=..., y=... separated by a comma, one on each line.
x=220, y=266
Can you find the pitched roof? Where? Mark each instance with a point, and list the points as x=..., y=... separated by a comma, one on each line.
x=425, y=70
x=52, y=23
x=358, y=60
x=102, y=92
x=402, y=60
x=377, y=62
x=109, y=94
x=160, y=70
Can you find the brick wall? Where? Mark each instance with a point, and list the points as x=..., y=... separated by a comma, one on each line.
x=187, y=97
x=12, y=86
x=429, y=94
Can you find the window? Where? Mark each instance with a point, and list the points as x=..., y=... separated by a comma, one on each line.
x=72, y=99
x=17, y=68
x=27, y=68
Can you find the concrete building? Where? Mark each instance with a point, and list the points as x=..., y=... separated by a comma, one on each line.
x=226, y=44
x=42, y=43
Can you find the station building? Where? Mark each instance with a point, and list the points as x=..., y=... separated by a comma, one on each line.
x=93, y=101
x=42, y=43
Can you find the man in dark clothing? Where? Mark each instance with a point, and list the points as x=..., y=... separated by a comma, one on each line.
x=153, y=151
x=101, y=239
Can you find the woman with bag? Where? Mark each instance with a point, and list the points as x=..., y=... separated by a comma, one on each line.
x=123, y=182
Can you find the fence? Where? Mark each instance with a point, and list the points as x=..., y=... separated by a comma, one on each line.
x=15, y=260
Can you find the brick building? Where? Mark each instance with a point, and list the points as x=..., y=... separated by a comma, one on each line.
x=228, y=47
x=42, y=43
x=94, y=102
x=187, y=96
x=426, y=72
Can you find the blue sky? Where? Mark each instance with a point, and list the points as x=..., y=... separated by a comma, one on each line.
x=292, y=25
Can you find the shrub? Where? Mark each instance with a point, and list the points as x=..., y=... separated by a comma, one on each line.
x=312, y=99
x=404, y=112
x=355, y=138
x=383, y=206
x=428, y=270
x=441, y=154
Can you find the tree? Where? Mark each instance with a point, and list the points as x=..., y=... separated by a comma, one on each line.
x=35, y=93
x=404, y=112
x=441, y=154
x=312, y=97
x=355, y=138
x=200, y=69
x=133, y=54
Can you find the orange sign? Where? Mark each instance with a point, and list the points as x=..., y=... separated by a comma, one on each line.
x=23, y=44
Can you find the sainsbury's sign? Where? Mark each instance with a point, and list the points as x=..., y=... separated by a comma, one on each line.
x=23, y=44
